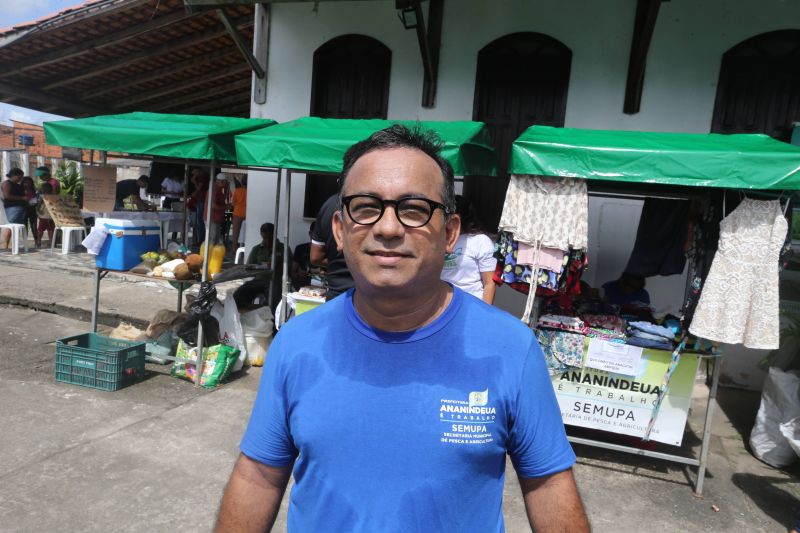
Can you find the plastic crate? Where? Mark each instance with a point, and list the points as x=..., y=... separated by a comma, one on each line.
x=92, y=360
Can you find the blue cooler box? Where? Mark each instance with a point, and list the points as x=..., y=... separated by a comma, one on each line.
x=126, y=241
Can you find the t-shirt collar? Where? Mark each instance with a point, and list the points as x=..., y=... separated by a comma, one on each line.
x=402, y=336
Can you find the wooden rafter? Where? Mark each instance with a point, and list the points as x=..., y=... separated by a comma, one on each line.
x=45, y=99
x=170, y=46
x=69, y=52
x=194, y=96
x=179, y=87
x=159, y=73
x=644, y=24
x=217, y=104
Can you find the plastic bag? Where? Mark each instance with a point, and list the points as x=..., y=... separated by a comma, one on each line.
x=780, y=403
x=230, y=328
x=218, y=364
x=257, y=328
x=188, y=330
x=164, y=319
x=206, y=298
x=791, y=430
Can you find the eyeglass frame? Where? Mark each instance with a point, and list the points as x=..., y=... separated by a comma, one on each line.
x=434, y=205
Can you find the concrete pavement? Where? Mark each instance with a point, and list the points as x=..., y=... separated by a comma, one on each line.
x=155, y=456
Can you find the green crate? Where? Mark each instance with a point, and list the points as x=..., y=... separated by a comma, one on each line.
x=92, y=360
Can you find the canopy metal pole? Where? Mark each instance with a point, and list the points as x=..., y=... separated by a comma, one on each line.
x=712, y=404
x=185, y=215
x=274, y=240
x=209, y=195
x=285, y=276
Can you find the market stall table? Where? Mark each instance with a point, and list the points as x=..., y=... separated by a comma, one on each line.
x=654, y=164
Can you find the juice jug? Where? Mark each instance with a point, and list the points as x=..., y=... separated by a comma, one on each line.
x=215, y=258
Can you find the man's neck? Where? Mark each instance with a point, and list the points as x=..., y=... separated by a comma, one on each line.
x=395, y=313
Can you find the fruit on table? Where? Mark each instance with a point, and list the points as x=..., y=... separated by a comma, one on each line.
x=194, y=262
x=182, y=272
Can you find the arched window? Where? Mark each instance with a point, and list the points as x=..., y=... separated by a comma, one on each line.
x=759, y=86
x=350, y=80
x=522, y=79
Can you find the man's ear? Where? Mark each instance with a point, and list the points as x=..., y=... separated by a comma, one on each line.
x=452, y=230
x=338, y=229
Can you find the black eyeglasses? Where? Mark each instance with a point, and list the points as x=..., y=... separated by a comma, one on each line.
x=366, y=209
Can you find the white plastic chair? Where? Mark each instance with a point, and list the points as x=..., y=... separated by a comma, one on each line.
x=240, y=252
x=18, y=233
x=67, y=234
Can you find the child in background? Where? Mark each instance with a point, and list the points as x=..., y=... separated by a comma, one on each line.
x=45, y=220
x=30, y=210
x=239, y=210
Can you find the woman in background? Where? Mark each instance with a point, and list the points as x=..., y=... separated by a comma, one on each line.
x=471, y=264
x=30, y=211
x=239, y=210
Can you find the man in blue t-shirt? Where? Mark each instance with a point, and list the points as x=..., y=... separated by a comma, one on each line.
x=396, y=404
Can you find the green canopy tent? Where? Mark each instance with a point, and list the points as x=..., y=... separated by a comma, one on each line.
x=312, y=144
x=749, y=162
x=190, y=138
x=686, y=159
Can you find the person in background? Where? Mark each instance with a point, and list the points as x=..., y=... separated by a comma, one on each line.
x=14, y=201
x=261, y=254
x=45, y=220
x=30, y=210
x=470, y=266
x=627, y=290
x=239, y=210
x=131, y=189
x=172, y=189
x=43, y=173
x=325, y=253
x=300, y=272
x=219, y=204
x=197, y=204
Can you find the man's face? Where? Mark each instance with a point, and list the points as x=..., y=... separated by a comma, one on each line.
x=388, y=256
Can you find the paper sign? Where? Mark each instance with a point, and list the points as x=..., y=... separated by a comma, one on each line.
x=99, y=188
x=613, y=357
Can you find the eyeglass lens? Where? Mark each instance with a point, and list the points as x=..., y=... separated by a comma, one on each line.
x=412, y=212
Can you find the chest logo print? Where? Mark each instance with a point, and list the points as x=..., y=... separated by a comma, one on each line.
x=467, y=422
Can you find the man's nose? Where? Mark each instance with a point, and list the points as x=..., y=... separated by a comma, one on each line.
x=389, y=225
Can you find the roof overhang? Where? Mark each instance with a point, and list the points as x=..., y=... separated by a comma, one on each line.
x=115, y=56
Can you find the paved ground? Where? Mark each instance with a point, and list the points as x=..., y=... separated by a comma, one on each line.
x=155, y=456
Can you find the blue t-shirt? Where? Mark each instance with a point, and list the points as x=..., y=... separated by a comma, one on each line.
x=405, y=431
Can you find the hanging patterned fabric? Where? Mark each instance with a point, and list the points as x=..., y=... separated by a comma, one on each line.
x=544, y=211
x=739, y=301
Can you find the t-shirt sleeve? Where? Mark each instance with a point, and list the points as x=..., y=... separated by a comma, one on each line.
x=268, y=439
x=484, y=254
x=538, y=444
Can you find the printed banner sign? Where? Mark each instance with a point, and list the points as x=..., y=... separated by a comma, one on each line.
x=99, y=188
x=623, y=404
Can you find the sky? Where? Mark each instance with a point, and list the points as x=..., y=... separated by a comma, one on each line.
x=13, y=12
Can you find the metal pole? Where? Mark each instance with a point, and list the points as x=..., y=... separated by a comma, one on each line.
x=209, y=196
x=712, y=404
x=185, y=231
x=285, y=277
x=180, y=295
x=274, y=240
x=96, y=302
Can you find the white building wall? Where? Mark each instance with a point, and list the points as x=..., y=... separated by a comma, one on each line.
x=679, y=89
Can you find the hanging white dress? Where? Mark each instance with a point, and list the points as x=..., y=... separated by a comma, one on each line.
x=739, y=300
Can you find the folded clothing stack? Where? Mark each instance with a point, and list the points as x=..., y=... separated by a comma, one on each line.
x=649, y=335
x=611, y=322
x=565, y=323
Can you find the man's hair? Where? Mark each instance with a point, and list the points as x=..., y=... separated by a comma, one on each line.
x=46, y=188
x=267, y=227
x=145, y=179
x=399, y=136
